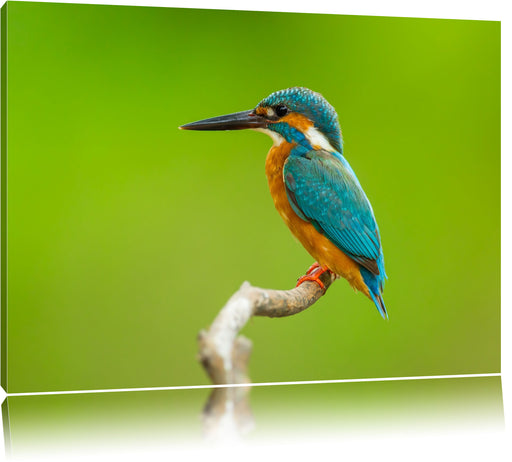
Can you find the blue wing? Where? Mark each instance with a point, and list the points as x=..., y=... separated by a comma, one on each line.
x=323, y=189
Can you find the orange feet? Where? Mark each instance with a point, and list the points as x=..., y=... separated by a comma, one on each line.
x=313, y=274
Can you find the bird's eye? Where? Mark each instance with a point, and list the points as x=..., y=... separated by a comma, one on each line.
x=281, y=110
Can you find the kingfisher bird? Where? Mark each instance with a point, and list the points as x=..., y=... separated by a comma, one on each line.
x=314, y=189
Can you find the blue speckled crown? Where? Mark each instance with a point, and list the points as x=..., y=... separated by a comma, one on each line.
x=314, y=106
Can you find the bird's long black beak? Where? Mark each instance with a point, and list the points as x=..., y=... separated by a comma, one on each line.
x=236, y=121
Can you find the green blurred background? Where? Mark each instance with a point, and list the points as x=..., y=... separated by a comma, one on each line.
x=126, y=236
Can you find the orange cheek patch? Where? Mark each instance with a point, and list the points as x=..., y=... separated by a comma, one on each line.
x=297, y=121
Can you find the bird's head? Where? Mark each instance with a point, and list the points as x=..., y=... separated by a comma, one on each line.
x=297, y=115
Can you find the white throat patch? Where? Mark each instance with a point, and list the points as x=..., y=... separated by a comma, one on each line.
x=276, y=137
x=316, y=138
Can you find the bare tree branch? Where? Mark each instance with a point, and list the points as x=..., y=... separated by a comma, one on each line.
x=225, y=356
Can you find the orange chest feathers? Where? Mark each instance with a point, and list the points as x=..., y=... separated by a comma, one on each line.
x=274, y=165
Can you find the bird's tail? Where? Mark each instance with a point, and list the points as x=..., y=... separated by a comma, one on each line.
x=375, y=284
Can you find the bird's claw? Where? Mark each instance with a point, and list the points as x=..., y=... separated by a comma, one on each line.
x=313, y=274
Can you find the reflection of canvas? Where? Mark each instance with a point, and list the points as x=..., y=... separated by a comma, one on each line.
x=122, y=238
x=67, y=424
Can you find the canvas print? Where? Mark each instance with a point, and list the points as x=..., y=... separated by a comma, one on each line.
x=197, y=196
